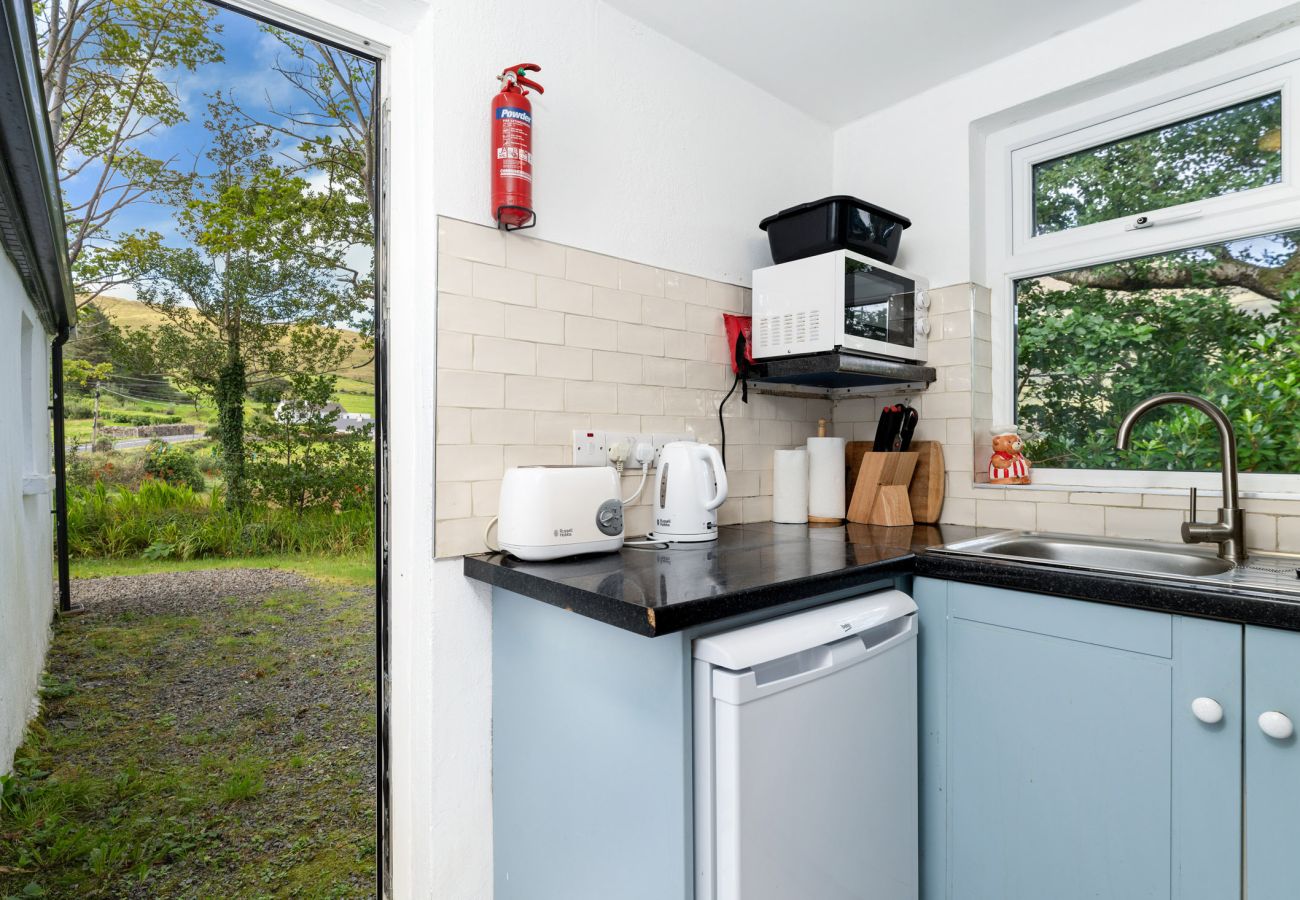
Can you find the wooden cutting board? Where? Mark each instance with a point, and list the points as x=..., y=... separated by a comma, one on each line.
x=926, y=490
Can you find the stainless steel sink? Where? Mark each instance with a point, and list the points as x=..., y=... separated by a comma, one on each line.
x=1101, y=554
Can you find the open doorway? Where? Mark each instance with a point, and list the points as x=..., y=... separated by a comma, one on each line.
x=212, y=720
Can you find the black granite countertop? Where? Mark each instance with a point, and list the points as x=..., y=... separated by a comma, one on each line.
x=761, y=565
x=750, y=567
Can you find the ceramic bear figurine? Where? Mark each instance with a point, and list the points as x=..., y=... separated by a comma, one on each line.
x=1008, y=465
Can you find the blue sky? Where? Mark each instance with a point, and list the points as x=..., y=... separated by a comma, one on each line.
x=246, y=76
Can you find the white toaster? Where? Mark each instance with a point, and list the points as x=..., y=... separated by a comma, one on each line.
x=551, y=511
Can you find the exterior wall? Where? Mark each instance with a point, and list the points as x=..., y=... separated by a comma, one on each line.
x=924, y=158
x=26, y=527
x=536, y=340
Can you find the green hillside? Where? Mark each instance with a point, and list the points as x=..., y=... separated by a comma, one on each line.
x=131, y=314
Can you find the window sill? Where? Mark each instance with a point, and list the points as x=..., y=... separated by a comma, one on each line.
x=34, y=485
x=1215, y=491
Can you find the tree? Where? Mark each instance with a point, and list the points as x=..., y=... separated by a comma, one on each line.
x=1217, y=320
x=104, y=66
x=257, y=289
x=333, y=132
x=300, y=461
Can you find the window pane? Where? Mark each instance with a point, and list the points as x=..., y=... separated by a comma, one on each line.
x=1222, y=321
x=1232, y=149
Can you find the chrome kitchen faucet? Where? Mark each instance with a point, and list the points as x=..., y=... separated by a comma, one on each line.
x=1229, y=532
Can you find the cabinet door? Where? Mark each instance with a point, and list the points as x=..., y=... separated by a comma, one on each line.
x=1072, y=765
x=1272, y=766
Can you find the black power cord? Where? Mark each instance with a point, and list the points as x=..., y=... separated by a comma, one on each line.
x=742, y=366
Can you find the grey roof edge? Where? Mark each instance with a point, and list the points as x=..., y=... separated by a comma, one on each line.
x=32, y=227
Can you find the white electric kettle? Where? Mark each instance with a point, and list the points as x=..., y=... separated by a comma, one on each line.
x=690, y=485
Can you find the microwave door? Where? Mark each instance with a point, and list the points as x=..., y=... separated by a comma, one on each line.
x=879, y=310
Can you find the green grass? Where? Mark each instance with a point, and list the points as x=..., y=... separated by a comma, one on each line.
x=219, y=754
x=356, y=569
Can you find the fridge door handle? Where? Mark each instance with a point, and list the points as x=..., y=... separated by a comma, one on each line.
x=781, y=674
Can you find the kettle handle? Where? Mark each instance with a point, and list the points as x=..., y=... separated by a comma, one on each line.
x=714, y=458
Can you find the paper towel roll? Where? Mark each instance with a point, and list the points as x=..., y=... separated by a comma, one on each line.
x=826, y=498
x=790, y=486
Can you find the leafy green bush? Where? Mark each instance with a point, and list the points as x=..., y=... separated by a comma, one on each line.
x=301, y=462
x=162, y=521
x=173, y=465
x=78, y=410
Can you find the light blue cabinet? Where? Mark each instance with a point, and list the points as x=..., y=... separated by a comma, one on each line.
x=1060, y=755
x=1272, y=766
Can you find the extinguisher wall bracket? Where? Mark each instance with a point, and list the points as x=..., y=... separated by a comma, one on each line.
x=506, y=226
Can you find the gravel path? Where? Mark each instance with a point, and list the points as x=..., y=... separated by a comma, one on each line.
x=180, y=593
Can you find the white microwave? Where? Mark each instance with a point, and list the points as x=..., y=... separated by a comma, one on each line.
x=840, y=301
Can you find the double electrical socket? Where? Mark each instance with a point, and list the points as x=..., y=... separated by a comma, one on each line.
x=604, y=448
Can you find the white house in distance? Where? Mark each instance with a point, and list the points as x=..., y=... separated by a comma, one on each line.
x=36, y=312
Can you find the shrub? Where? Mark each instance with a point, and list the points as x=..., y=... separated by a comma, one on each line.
x=103, y=445
x=163, y=521
x=137, y=417
x=78, y=410
x=174, y=465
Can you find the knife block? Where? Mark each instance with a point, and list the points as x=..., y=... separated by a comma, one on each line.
x=880, y=492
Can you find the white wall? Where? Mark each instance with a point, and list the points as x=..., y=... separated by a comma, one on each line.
x=919, y=158
x=26, y=527
x=644, y=151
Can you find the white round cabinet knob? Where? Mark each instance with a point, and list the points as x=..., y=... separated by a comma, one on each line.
x=922, y=300
x=1276, y=725
x=923, y=326
x=1207, y=710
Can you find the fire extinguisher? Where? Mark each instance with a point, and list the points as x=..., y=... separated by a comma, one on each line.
x=512, y=149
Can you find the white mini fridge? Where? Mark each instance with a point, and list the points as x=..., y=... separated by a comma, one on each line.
x=806, y=755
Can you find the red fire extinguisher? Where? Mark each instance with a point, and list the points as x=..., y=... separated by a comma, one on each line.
x=512, y=149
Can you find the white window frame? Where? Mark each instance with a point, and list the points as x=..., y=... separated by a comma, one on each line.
x=1014, y=252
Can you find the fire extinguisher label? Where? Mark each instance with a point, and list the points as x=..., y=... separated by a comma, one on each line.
x=509, y=112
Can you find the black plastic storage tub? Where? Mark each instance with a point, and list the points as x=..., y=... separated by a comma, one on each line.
x=834, y=223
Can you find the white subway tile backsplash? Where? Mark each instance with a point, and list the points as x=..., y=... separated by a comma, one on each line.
x=591, y=397
x=478, y=389
x=1288, y=534
x=641, y=339
x=455, y=275
x=455, y=350
x=470, y=242
x=505, y=285
x=471, y=315
x=505, y=356
x=564, y=296
x=452, y=500
x=580, y=331
x=573, y=363
x=1143, y=524
x=454, y=425
x=620, y=368
x=724, y=297
x=703, y=319
x=620, y=305
x=640, y=279
x=534, y=455
x=1071, y=518
x=591, y=268
x=688, y=288
x=641, y=400
x=558, y=428
x=684, y=345
x=538, y=257
x=662, y=312
x=663, y=371
x=544, y=326
x=486, y=497
x=469, y=462
x=501, y=426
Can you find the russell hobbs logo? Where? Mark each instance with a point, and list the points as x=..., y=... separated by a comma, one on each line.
x=564, y=532
x=664, y=523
